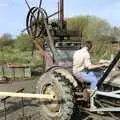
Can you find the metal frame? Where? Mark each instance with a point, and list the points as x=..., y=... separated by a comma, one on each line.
x=113, y=94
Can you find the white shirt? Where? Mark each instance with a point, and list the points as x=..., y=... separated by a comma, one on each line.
x=81, y=60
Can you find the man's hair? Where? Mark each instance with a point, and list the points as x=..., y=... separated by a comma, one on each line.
x=88, y=44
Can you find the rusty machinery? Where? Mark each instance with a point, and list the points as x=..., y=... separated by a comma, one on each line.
x=39, y=25
x=57, y=84
x=58, y=81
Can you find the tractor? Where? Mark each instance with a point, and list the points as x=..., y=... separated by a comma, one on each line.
x=58, y=80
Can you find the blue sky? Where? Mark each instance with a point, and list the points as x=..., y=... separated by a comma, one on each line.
x=13, y=12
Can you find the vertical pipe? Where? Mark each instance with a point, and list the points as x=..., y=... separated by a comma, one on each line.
x=5, y=115
x=62, y=13
x=23, y=112
x=58, y=10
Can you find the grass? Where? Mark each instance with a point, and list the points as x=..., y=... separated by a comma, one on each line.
x=103, y=50
x=15, y=56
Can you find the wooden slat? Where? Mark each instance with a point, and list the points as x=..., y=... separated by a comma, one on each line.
x=26, y=95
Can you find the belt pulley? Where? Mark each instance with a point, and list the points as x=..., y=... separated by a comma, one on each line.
x=35, y=22
x=37, y=26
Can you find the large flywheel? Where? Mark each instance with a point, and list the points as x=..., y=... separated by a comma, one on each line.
x=35, y=22
x=35, y=19
x=37, y=25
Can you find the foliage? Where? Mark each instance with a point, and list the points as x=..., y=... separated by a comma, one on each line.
x=93, y=28
x=102, y=50
x=20, y=52
x=79, y=24
x=23, y=42
x=99, y=31
x=6, y=40
x=8, y=55
x=89, y=27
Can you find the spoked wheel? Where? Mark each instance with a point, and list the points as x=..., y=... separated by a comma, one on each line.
x=35, y=22
x=61, y=108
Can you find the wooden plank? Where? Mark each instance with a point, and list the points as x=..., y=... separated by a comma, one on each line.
x=5, y=98
x=16, y=66
x=26, y=95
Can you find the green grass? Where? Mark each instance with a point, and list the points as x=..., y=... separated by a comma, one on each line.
x=15, y=56
x=101, y=50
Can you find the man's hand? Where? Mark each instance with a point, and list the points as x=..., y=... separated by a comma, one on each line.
x=105, y=64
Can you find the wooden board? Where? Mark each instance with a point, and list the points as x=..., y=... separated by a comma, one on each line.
x=26, y=95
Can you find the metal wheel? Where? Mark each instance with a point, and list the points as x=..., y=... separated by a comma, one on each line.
x=35, y=21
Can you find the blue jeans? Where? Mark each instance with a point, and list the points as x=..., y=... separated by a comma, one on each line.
x=90, y=76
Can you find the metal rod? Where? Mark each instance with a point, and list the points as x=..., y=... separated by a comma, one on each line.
x=54, y=13
x=62, y=13
x=22, y=100
x=27, y=4
x=40, y=3
x=106, y=102
x=5, y=115
x=108, y=94
x=113, y=63
x=58, y=10
x=50, y=40
x=109, y=109
x=23, y=107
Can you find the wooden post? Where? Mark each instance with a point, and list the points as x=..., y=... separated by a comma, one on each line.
x=27, y=95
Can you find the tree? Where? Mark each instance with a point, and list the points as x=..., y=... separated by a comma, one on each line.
x=116, y=33
x=23, y=42
x=6, y=39
x=78, y=24
x=89, y=27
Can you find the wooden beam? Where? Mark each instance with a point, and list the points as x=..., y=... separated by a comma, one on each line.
x=26, y=95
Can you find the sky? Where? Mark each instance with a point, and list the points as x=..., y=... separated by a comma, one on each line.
x=13, y=12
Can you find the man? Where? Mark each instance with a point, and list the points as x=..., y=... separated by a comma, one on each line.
x=82, y=66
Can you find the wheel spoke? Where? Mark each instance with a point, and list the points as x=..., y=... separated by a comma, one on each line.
x=40, y=4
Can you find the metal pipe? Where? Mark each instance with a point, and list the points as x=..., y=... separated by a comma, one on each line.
x=62, y=13
x=108, y=94
x=58, y=10
x=5, y=115
x=27, y=4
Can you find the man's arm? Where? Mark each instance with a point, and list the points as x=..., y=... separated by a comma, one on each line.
x=95, y=66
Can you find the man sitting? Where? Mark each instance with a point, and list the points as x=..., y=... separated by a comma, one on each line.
x=82, y=66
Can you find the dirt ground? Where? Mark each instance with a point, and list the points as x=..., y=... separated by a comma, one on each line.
x=16, y=111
